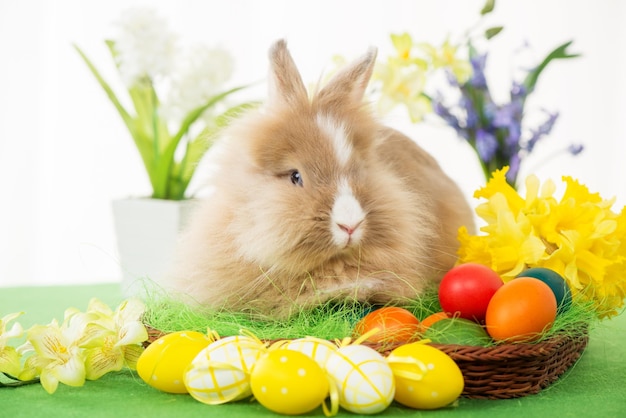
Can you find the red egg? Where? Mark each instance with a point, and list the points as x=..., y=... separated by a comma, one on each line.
x=466, y=290
x=394, y=324
x=521, y=310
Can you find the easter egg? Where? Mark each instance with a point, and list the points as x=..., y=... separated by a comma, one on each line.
x=394, y=324
x=426, y=377
x=163, y=363
x=220, y=373
x=467, y=289
x=289, y=382
x=316, y=348
x=458, y=331
x=363, y=378
x=557, y=284
x=521, y=310
x=431, y=319
x=216, y=383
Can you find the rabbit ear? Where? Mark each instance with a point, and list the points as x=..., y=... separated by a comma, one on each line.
x=349, y=84
x=285, y=82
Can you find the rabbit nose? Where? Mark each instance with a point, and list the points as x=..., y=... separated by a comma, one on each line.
x=348, y=229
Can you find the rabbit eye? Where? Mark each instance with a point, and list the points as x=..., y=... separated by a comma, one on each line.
x=296, y=177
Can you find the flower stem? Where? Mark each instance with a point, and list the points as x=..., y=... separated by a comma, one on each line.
x=16, y=382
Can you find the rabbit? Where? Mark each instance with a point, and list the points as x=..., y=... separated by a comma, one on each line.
x=313, y=200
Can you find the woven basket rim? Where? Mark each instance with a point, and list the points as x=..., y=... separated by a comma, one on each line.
x=558, y=338
x=501, y=371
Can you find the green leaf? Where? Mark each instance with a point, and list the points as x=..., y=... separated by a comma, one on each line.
x=147, y=104
x=111, y=45
x=128, y=120
x=559, y=52
x=183, y=172
x=167, y=165
x=491, y=32
x=198, y=111
x=488, y=7
x=149, y=131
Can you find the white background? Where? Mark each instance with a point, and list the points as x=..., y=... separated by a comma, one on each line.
x=65, y=154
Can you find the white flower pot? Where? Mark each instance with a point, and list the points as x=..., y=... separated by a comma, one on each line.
x=147, y=231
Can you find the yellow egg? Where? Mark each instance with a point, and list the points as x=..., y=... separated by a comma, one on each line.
x=289, y=382
x=221, y=372
x=426, y=378
x=316, y=348
x=363, y=377
x=164, y=361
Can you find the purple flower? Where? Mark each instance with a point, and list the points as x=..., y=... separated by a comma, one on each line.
x=471, y=117
x=518, y=91
x=544, y=129
x=452, y=80
x=486, y=145
x=512, y=140
x=508, y=115
x=575, y=149
x=444, y=113
x=478, y=79
x=514, y=166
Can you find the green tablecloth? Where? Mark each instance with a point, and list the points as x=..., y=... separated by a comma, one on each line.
x=594, y=387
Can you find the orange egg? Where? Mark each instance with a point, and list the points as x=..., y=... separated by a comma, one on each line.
x=431, y=319
x=521, y=310
x=394, y=325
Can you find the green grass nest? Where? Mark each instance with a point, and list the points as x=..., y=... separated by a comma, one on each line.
x=329, y=321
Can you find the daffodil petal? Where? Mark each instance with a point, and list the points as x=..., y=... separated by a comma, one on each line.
x=99, y=361
x=10, y=361
x=72, y=372
x=94, y=335
x=97, y=306
x=15, y=332
x=132, y=333
x=131, y=355
x=131, y=310
x=49, y=381
x=46, y=340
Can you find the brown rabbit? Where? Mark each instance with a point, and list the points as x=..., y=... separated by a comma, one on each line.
x=314, y=200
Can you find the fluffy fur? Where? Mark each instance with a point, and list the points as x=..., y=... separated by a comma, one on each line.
x=314, y=200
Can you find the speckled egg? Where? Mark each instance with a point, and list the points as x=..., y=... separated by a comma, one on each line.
x=289, y=382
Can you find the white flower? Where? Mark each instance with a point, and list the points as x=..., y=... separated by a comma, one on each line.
x=58, y=357
x=144, y=45
x=9, y=357
x=199, y=76
x=113, y=339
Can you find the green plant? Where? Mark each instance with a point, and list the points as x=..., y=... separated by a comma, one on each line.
x=170, y=149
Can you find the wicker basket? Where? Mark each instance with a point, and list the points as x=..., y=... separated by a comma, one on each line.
x=504, y=371
x=515, y=370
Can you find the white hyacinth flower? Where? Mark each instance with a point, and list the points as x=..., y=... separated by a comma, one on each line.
x=144, y=45
x=199, y=76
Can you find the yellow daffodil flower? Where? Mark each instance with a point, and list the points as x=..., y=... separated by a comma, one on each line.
x=402, y=78
x=114, y=337
x=578, y=236
x=57, y=357
x=9, y=357
x=403, y=45
x=402, y=82
x=446, y=56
